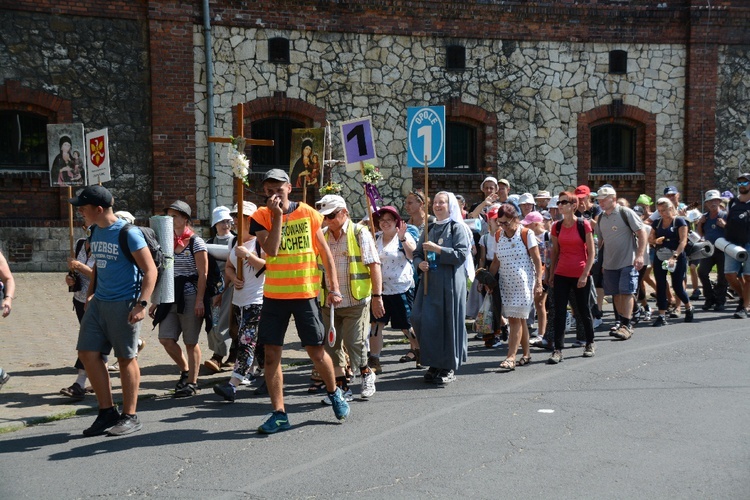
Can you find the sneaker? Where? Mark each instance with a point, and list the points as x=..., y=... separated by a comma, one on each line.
x=719, y=307
x=689, y=315
x=623, y=333
x=277, y=421
x=212, y=365
x=708, y=304
x=114, y=367
x=661, y=320
x=578, y=343
x=598, y=322
x=589, y=351
x=368, y=384
x=556, y=358
x=535, y=340
x=570, y=322
x=479, y=336
x=544, y=343
x=226, y=391
x=673, y=314
x=340, y=406
x=262, y=389
x=647, y=314
x=348, y=396
x=496, y=342
x=104, y=421
x=127, y=424
x=742, y=313
x=75, y=392
x=445, y=377
x=3, y=377
x=696, y=294
x=141, y=345
x=374, y=364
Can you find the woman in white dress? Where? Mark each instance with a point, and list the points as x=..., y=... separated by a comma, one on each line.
x=519, y=266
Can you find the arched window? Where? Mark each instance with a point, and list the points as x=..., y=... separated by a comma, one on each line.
x=460, y=148
x=613, y=148
x=280, y=131
x=23, y=141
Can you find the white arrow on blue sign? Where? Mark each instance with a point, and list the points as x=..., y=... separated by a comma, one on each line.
x=356, y=136
x=425, y=131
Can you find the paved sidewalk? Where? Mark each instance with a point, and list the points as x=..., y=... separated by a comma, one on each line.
x=38, y=351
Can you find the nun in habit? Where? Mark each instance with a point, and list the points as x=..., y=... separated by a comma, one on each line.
x=438, y=316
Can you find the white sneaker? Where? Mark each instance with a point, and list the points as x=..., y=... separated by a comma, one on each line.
x=368, y=384
x=535, y=340
x=570, y=322
x=597, y=323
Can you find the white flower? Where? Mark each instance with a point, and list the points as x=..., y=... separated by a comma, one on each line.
x=239, y=162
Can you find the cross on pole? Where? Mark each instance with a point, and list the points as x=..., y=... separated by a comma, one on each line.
x=238, y=183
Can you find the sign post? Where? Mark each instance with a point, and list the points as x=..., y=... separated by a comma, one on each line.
x=359, y=147
x=425, y=132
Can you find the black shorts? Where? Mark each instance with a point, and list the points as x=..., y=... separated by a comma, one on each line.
x=274, y=320
x=397, y=310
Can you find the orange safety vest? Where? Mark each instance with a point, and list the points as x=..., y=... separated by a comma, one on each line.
x=293, y=273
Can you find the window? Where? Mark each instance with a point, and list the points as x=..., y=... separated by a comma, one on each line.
x=455, y=57
x=278, y=50
x=613, y=149
x=279, y=130
x=460, y=148
x=618, y=62
x=23, y=141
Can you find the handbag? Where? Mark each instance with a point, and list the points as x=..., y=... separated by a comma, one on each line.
x=483, y=323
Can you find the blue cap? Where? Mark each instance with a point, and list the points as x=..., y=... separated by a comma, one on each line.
x=670, y=190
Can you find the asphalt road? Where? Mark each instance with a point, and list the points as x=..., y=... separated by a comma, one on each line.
x=663, y=415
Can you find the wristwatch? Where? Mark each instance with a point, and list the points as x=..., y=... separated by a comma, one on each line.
x=143, y=304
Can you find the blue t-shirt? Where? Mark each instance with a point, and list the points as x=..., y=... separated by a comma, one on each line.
x=711, y=230
x=671, y=234
x=116, y=278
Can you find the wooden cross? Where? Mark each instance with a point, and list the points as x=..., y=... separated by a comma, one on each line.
x=239, y=185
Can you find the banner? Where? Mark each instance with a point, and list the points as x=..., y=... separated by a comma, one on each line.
x=97, y=161
x=309, y=161
x=65, y=153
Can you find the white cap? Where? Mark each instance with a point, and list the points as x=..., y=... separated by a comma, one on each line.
x=126, y=216
x=219, y=214
x=553, y=202
x=248, y=208
x=526, y=198
x=712, y=195
x=330, y=203
x=605, y=191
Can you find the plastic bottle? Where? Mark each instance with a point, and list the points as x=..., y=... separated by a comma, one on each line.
x=432, y=260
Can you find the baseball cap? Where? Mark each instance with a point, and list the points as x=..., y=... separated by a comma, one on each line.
x=248, y=208
x=644, y=199
x=180, y=206
x=639, y=210
x=276, y=174
x=492, y=212
x=504, y=181
x=488, y=179
x=745, y=176
x=98, y=196
x=713, y=194
x=126, y=216
x=219, y=214
x=605, y=191
x=582, y=191
x=542, y=195
x=670, y=190
x=532, y=217
x=546, y=215
x=330, y=203
x=727, y=195
x=526, y=198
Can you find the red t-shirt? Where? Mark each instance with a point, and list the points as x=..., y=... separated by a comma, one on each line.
x=571, y=258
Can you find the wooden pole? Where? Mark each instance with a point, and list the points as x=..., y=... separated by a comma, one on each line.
x=240, y=186
x=426, y=217
x=70, y=222
x=304, y=189
x=367, y=200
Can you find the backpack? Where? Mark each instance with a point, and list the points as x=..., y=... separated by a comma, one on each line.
x=524, y=238
x=160, y=261
x=214, y=278
x=579, y=223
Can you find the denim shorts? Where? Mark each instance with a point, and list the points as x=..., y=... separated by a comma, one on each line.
x=620, y=281
x=734, y=266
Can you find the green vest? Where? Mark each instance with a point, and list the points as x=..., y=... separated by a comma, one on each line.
x=359, y=273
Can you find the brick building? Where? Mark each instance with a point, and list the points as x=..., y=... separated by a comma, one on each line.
x=636, y=93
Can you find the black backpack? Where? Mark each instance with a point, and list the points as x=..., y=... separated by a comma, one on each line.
x=160, y=260
x=579, y=223
x=214, y=278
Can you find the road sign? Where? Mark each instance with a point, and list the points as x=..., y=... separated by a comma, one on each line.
x=425, y=131
x=356, y=135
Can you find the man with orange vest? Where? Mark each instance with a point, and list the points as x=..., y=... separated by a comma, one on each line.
x=291, y=235
x=358, y=265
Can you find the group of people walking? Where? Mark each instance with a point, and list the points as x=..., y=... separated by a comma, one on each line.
x=526, y=259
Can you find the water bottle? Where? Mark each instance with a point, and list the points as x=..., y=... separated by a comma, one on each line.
x=432, y=260
x=672, y=265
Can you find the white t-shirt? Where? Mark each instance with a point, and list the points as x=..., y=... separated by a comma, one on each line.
x=252, y=292
x=397, y=271
x=490, y=245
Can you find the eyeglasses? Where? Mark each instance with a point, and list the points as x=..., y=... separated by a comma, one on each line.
x=332, y=215
x=564, y=202
x=743, y=184
x=504, y=222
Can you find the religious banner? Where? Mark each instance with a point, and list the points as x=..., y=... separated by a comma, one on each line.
x=65, y=152
x=305, y=167
x=97, y=161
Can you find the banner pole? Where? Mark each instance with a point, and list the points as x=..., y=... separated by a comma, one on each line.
x=70, y=222
x=367, y=199
x=239, y=184
x=426, y=216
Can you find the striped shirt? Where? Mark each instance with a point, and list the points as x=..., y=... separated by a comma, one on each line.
x=184, y=263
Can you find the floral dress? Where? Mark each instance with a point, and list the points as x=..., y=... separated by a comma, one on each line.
x=516, y=274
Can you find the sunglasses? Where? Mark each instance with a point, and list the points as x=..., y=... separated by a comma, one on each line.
x=564, y=202
x=743, y=184
x=332, y=215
